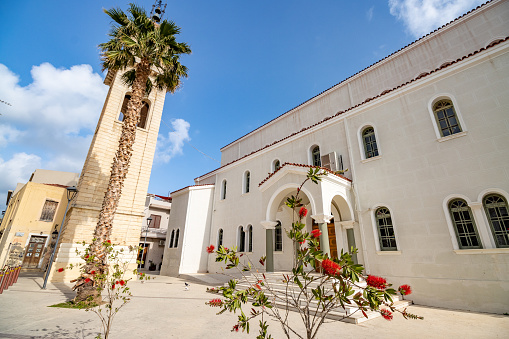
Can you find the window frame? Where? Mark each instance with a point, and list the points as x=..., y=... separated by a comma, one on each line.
x=459, y=117
x=378, y=227
x=172, y=237
x=246, y=182
x=220, y=238
x=241, y=239
x=249, y=238
x=177, y=234
x=455, y=225
x=362, y=148
x=156, y=221
x=280, y=226
x=490, y=222
x=44, y=211
x=224, y=184
x=311, y=154
x=273, y=165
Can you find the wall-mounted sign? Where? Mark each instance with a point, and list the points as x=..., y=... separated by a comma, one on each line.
x=19, y=234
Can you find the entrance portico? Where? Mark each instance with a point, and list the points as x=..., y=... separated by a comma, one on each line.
x=328, y=202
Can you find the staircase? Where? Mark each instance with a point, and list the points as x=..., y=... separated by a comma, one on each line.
x=350, y=314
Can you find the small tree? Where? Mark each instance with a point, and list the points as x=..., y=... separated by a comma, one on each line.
x=312, y=295
x=111, y=284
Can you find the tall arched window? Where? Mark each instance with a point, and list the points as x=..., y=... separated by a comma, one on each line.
x=170, y=245
x=464, y=225
x=369, y=141
x=445, y=115
x=315, y=156
x=250, y=238
x=278, y=238
x=143, y=113
x=241, y=240
x=223, y=190
x=177, y=238
x=385, y=228
x=247, y=180
x=219, y=238
x=497, y=212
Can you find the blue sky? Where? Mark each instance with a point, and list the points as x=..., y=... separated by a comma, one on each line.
x=251, y=62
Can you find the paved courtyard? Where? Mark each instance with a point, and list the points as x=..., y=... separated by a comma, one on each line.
x=161, y=308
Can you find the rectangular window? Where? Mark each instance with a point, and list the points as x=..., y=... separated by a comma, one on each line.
x=48, y=210
x=156, y=221
x=278, y=238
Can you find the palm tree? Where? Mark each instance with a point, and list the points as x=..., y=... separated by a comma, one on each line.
x=149, y=56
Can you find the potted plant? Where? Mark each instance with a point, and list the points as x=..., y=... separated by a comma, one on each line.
x=152, y=266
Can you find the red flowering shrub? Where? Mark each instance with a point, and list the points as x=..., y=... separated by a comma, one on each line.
x=108, y=241
x=60, y=269
x=121, y=282
x=215, y=302
x=405, y=289
x=93, y=272
x=386, y=314
x=87, y=280
x=303, y=212
x=316, y=233
x=112, y=286
x=330, y=267
x=210, y=249
x=376, y=282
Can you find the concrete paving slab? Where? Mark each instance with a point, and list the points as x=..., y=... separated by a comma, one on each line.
x=161, y=308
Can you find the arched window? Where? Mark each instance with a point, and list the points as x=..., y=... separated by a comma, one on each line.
x=223, y=190
x=445, y=115
x=247, y=179
x=369, y=141
x=315, y=156
x=464, y=225
x=276, y=165
x=497, y=212
x=219, y=238
x=385, y=229
x=278, y=238
x=177, y=238
x=143, y=114
x=241, y=240
x=250, y=238
x=170, y=245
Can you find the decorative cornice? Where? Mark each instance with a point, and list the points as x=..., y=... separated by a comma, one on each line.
x=268, y=225
x=322, y=218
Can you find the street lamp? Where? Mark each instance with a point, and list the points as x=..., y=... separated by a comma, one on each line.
x=149, y=220
x=71, y=193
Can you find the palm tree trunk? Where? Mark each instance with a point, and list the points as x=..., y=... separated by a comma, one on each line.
x=119, y=169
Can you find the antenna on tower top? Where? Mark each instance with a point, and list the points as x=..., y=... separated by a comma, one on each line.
x=157, y=12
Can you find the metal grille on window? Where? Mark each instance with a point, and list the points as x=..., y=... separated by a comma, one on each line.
x=48, y=210
x=464, y=225
x=278, y=238
x=446, y=118
x=385, y=229
x=369, y=139
x=316, y=156
x=497, y=212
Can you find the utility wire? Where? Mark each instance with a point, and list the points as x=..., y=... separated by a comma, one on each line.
x=208, y=156
x=5, y=102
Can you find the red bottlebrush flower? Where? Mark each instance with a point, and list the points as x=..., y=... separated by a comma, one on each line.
x=258, y=286
x=405, y=289
x=316, y=233
x=116, y=282
x=226, y=249
x=301, y=242
x=60, y=269
x=376, y=282
x=303, y=212
x=210, y=249
x=108, y=241
x=93, y=272
x=87, y=280
x=87, y=256
x=386, y=314
x=112, y=286
x=262, y=262
x=235, y=328
x=330, y=267
x=216, y=302
x=121, y=282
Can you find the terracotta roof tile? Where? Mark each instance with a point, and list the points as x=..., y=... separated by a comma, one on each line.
x=302, y=165
x=420, y=76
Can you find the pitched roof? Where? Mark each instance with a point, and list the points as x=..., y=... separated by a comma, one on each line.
x=302, y=165
x=420, y=76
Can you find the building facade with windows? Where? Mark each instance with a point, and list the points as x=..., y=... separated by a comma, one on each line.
x=34, y=211
x=423, y=134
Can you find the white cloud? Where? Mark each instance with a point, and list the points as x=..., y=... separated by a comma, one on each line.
x=17, y=169
x=170, y=146
x=53, y=118
x=369, y=13
x=423, y=16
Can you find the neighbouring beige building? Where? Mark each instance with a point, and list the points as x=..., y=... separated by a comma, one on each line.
x=424, y=134
x=34, y=211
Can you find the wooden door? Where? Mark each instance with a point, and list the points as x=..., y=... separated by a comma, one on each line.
x=34, y=251
x=331, y=230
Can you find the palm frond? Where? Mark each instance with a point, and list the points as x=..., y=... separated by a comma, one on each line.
x=117, y=15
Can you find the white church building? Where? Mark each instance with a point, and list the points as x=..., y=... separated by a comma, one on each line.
x=424, y=134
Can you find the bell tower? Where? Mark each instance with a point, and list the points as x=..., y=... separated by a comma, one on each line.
x=83, y=215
